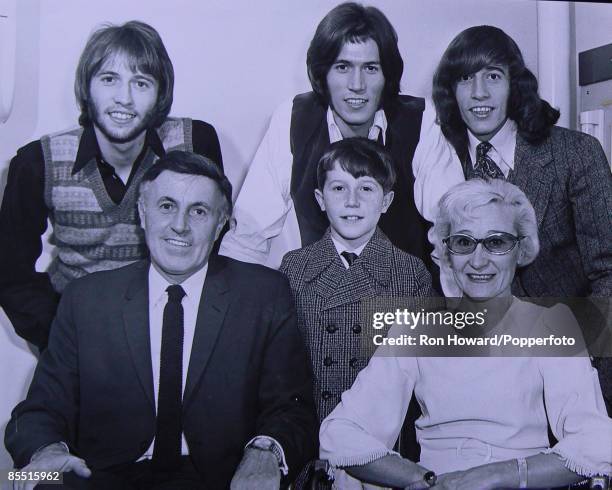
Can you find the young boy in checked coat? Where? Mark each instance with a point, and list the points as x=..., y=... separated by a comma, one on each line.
x=354, y=261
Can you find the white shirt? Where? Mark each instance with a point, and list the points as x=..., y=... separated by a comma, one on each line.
x=341, y=248
x=158, y=297
x=435, y=165
x=379, y=124
x=503, y=145
x=265, y=226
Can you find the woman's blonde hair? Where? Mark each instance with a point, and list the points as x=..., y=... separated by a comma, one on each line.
x=461, y=200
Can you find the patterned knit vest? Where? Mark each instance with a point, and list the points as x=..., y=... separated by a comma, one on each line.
x=90, y=231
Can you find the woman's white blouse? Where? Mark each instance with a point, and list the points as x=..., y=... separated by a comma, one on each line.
x=476, y=410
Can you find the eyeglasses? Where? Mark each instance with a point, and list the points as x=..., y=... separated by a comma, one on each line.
x=496, y=243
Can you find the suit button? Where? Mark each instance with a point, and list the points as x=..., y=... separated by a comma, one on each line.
x=356, y=328
x=354, y=362
x=326, y=395
x=328, y=361
x=331, y=328
x=144, y=445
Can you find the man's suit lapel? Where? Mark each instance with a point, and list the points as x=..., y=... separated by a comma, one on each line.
x=533, y=174
x=214, y=303
x=136, y=326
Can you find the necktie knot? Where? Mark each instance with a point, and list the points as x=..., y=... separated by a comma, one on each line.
x=483, y=148
x=175, y=293
x=350, y=257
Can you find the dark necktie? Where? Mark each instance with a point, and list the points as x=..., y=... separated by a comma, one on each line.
x=485, y=167
x=167, y=448
x=350, y=257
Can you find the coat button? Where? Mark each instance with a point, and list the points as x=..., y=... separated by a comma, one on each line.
x=326, y=395
x=356, y=328
x=354, y=362
x=331, y=328
x=144, y=445
x=328, y=361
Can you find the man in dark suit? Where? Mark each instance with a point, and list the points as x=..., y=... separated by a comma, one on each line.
x=490, y=112
x=105, y=402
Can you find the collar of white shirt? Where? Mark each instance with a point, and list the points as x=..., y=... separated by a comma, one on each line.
x=379, y=125
x=192, y=286
x=503, y=146
x=341, y=248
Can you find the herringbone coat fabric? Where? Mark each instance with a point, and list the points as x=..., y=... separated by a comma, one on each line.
x=568, y=181
x=328, y=302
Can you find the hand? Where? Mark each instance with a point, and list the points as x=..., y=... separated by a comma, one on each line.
x=418, y=485
x=481, y=477
x=53, y=457
x=258, y=469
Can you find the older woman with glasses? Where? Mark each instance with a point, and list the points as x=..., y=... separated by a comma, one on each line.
x=485, y=419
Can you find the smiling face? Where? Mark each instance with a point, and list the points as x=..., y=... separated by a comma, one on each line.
x=182, y=216
x=122, y=101
x=355, y=83
x=482, y=275
x=482, y=98
x=353, y=206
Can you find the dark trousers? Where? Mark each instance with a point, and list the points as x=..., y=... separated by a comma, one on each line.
x=134, y=476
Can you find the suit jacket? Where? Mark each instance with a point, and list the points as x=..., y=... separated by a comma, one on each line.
x=248, y=373
x=567, y=179
x=329, y=302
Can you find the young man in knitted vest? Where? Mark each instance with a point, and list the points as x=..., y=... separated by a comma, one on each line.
x=85, y=179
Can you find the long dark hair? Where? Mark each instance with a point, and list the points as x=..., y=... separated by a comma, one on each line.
x=352, y=22
x=469, y=52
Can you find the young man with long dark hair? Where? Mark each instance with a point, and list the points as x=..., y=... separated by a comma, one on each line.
x=490, y=112
x=354, y=66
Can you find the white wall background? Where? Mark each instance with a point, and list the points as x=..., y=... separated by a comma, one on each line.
x=593, y=25
x=234, y=61
x=593, y=28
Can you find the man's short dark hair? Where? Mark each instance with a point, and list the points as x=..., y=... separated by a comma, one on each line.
x=359, y=157
x=141, y=45
x=188, y=163
x=353, y=23
x=470, y=51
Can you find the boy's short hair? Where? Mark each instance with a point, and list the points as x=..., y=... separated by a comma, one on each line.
x=359, y=157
